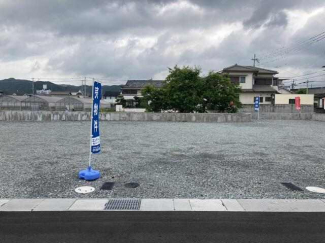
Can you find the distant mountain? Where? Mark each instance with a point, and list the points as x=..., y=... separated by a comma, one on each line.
x=21, y=87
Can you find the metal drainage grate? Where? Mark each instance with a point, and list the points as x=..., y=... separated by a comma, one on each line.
x=123, y=204
x=107, y=186
x=291, y=186
x=132, y=185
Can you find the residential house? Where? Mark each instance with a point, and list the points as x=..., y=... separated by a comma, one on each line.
x=133, y=88
x=110, y=97
x=255, y=81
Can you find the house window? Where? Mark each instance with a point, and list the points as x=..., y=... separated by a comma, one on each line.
x=234, y=80
x=242, y=80
x=129, y=91
x=263, y=81
x=268, y=99
x=292, y=101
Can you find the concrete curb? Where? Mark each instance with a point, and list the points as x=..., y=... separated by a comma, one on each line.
x=227, y=205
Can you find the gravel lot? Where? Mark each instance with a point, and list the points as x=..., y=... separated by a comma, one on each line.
x=168, y=160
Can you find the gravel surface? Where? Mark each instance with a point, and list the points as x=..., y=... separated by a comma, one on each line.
x=168, y=160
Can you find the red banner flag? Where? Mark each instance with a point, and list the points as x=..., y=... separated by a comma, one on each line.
x=297, y=102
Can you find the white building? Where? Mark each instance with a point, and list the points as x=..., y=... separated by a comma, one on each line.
x=133, y=89
x=110, y=97
x=255, y=82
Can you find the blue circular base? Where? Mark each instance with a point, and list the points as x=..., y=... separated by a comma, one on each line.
x=89, y=174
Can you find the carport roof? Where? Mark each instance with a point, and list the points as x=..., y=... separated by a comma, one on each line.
x=264, y=88
x=261, y=89
x=16, y=97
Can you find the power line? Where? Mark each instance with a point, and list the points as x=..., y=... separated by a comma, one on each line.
x=285, y=55
x=292, y=50
x=300, y=43
x=310, y=77
x=307, y=74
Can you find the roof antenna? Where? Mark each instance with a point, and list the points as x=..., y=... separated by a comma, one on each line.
x=255, y=60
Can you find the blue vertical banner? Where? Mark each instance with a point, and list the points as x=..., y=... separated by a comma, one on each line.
x=257, y=103
x=95, y=138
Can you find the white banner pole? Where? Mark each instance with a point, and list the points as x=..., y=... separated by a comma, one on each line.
x=89, y=174
x=91, y=122
x=259, y=106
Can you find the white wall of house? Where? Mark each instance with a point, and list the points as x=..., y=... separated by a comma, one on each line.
x=110, y=99
x=248, y=98
x=131, y=96
x=134, y=110
x=283, y=99
x=119, y=108
x=128, y=97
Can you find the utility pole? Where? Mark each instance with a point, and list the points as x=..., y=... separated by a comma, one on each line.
x=32, y=86
x=307, y=86
x=255, y=60
x=84, y=87
x=293, y=84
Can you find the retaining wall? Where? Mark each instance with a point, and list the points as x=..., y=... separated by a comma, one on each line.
x=284, y=116
x=160, y=117
x=319, y=117
x=124, y=116
x=278, y=109
x=290, y=116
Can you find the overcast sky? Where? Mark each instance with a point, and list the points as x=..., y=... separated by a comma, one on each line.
x=120, y=40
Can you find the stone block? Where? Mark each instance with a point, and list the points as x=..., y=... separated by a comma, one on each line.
x=182, y=205
x=232, y=205
x=88, y=205
x=21, y=205
x=282, y=205
x=157, y=205
x=56, y=204
x=207, y=205
x=3, y=201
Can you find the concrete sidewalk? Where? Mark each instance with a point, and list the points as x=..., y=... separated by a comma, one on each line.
x=244, y=205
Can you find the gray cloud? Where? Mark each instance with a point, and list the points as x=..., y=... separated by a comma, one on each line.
x=140, y=39
x=272, y=11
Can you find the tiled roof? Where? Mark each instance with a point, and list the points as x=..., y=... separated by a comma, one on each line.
x=240, y=68
x=143, y=83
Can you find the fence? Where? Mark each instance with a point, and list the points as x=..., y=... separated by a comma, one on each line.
x=48, y=103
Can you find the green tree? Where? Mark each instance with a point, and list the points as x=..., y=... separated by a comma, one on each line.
x=185, y=91
x=137, y=102
x=220, y=93
x=302, y=91
x=120, y=100
x=155, y=99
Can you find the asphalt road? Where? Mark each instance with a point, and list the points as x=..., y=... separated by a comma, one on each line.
x=161, y=227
